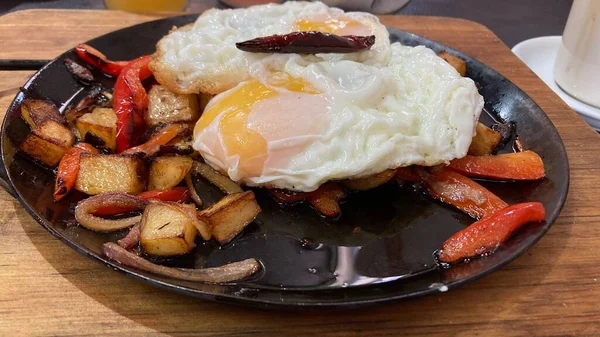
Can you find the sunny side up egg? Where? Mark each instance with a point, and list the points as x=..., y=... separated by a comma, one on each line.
x=202, y=57
x=298, y=124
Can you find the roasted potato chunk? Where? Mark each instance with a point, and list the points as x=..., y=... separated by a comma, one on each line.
x=100, y=173
x=167, y=229
x=228, y=217
x=485, y=141
x=102, y=122
x=166, y=172
x=35, y=111
x=167, y=107
x=367, y=183
x=456, y=62
x=48, y=142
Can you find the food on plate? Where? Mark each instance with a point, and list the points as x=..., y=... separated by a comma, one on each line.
x=304, y=125
x=102, y=124
x=222, y=182
x=84, y=212
x=100, y=173
x=307, y=43
x=228, y=217
x=233, y=271
x=456, y=62
x=526, y=165
x=35, y=111
x=485, y=235
x=486, y=141
x=68, y=168
x=202, y=57
x=78, y=71
x=370, y=182
x=167, y=107
x=166, y=229
x=306, y=101
x=168, y=171
x=461, y=192
x=48, y=142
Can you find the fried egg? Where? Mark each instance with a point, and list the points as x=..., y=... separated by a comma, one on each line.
x=202, y=57
x=296, y=124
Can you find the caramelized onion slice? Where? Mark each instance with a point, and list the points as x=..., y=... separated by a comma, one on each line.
x=193, y=193
x=132, y=238
x=222, y=182
x=234, y=271
x=85, y=208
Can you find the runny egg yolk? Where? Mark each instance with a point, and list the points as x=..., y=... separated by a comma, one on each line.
x=339, y=26
x=235, y=107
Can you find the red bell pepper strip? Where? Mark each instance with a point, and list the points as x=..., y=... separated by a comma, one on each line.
x=130, y=102
x=96, y=59
x=526, y=165
x=407, y=173
x=66, y=176
x=485, y=235
x=176, y=194
x=463, y=193
x=326, y=199
x=163, y=136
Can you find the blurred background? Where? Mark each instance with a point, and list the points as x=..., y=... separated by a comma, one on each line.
x=512, y=20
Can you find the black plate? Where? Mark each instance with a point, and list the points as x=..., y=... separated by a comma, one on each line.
x=310, y=262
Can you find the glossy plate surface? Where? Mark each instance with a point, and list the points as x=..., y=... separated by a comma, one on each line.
x=381, y=248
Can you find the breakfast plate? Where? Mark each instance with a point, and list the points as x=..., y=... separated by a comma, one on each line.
x=380, y=249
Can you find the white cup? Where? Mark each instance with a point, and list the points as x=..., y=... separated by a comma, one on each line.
x=577, y=65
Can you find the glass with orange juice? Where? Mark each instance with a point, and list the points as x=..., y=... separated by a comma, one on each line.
x=147, y=5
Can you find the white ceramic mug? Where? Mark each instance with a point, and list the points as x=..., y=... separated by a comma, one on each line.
x=577, y=65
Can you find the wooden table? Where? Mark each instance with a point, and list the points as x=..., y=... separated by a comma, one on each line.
x=553, y=290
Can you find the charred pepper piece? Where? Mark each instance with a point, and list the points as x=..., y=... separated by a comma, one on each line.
x=307, y=43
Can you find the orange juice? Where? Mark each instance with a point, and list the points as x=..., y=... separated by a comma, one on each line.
x=147, y=5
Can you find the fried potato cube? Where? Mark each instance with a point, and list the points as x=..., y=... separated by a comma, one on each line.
x=168, y=107
x=102, y=122
x=48, y=142
x=228, y=217
x=35, y=111
x=485, y=141
x=100, y=173
x=456, y=62
x=167, y=229
x=370, y=182
x=166, y=172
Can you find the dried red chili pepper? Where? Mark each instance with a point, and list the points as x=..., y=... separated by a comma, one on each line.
x=307, y=43
x=78, y=71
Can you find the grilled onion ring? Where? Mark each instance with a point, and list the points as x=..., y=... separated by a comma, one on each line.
x=85, y=208
x=234, y=271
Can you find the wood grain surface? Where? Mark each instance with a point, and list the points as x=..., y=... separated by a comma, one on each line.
x=47, y=289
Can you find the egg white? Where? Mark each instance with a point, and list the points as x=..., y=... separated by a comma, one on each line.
x=414, y=110
x=203, y=57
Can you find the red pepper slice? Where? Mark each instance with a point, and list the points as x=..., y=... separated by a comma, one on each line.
x=164, y=136
x=176, y=194
x=66, y=176
x=526, y=165
x=98, y=60
x=463, y=193
x=324, y=199
x=485, y=235
x=130, y=102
